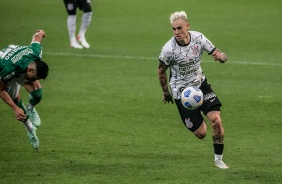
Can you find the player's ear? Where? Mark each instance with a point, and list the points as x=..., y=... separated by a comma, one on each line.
x=188, y=26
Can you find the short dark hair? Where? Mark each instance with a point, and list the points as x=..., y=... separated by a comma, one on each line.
x=42, y=69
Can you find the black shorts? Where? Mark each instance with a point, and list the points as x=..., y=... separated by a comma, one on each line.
x=193, y=119
x=72, y=5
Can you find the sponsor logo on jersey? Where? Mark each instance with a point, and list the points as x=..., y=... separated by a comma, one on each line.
x=209, y=96
x=211, y=100
x=186, y=69
x=9, y=76
x=11, y=50
x=19, y=56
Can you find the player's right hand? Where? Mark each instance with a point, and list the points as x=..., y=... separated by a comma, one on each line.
x=167, y=98
x=20, y=115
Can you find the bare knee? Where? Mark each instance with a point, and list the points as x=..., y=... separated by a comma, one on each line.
x=200, y=135
x=217, y=125
x=201, y=131
x=214, y=118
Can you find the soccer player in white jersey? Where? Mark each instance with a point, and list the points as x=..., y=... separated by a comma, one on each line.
x=182, y=55
x=78, y=42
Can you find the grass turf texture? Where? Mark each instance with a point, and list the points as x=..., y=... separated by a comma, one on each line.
x=103, y=119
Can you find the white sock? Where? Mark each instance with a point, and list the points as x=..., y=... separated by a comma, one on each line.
x=28, y=125
x=85, y=22
x=29, y=106
x=71, y=23
x=217, y=157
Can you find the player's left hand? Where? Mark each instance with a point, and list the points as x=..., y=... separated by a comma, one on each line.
x=216, y=55
x=41, y=32
x=219, y=56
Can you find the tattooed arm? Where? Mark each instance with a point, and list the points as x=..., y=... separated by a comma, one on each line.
x=163, y=82
x=219, y=56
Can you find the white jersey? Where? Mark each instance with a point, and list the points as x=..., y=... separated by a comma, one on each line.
x=185, y=61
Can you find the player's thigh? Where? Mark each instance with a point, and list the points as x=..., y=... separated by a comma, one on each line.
x=211, y=101
x=201, y=131
x=84, y=5
x=214, y=116
x=192, y=119
x=13, y=90
x=32, y=85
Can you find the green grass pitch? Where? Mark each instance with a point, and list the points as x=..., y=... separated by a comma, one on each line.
x=103, y=119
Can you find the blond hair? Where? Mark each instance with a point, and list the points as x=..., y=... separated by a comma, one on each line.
x=178, y=15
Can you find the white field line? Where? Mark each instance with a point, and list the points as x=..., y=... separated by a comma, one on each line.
x=147, y=58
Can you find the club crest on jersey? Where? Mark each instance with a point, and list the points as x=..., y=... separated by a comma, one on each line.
x=188, y=123
x=70, y=6
x=195, y=49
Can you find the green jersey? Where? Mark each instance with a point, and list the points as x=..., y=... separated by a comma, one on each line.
x=14, y=60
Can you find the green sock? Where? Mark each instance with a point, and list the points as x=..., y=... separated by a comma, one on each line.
x=35, y=97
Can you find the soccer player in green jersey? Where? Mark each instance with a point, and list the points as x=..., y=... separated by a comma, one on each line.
x=22, y=66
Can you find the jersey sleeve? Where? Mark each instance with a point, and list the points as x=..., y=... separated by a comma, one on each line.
x=7, y=73
x=166, y=55
x=207, y=45
x=10, y=70
x=37, y=49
